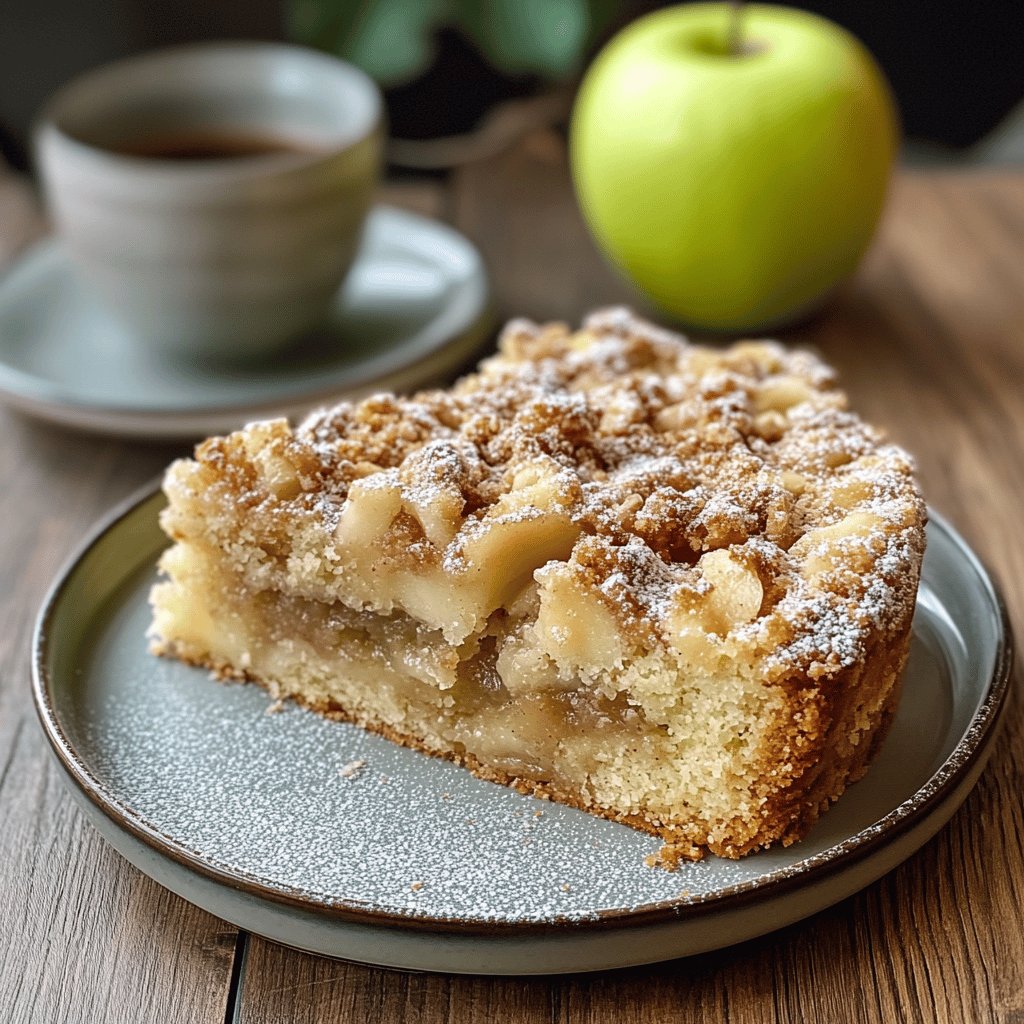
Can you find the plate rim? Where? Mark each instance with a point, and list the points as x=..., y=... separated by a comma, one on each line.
x=973, y=745
x=38, y=396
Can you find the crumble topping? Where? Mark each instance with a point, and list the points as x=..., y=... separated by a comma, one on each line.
x=727, y=492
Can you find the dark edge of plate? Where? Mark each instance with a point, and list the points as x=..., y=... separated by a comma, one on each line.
x=973, y=744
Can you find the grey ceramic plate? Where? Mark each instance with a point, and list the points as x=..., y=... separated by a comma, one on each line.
x=413, y=310
x=249, y=815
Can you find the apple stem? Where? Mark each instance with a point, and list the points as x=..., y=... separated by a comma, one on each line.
x=734, y=42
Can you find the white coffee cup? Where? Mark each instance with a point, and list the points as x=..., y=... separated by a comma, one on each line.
x=227, y=256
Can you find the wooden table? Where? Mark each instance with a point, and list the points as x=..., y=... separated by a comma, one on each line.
x=930, y=341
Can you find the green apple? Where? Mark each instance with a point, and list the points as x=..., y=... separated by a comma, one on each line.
x=735, y=184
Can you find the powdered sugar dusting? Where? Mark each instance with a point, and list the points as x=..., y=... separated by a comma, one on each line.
x=660, y=451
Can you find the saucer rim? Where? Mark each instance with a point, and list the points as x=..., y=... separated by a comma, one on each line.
x=443, y=352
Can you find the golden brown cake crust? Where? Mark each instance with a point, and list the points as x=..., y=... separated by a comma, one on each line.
x=597, y=512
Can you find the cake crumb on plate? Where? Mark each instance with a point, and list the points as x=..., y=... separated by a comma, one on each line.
x=352, y=769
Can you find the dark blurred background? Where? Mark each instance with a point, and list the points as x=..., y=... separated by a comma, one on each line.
x=957, y=67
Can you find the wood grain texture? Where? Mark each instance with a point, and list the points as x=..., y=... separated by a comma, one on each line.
x=84, y=937
x=93, y=940
x=929, y=340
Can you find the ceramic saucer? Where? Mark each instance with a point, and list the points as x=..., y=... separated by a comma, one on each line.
x=413, y=311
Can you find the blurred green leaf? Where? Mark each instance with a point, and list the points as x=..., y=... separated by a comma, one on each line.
x=393, y=40
x=541, y=37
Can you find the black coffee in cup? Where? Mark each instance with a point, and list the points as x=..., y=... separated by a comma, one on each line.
x=208, y=145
